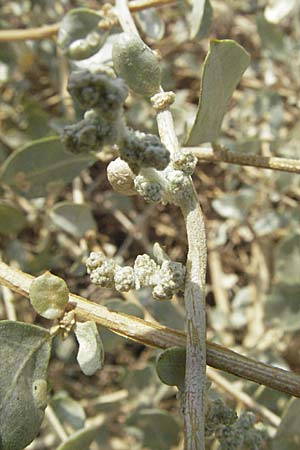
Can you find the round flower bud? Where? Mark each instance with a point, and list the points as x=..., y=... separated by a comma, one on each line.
x=136, y=63
x=124, y=279
x=49, y=295
x=121, y=177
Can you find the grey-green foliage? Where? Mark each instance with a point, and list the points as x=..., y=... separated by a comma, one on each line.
x=76, y=219
x=79, y=36
x=24, y=355
x=288, y=432
x=80, y=440
x=90, y=355
x=12, y=219
x=223, y=68
x=41, y=166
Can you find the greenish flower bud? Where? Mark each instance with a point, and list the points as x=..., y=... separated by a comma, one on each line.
x=186, y=162
x=136, y=63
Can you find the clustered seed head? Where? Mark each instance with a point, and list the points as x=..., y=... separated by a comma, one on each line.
x=144, y=150
x=186, y=162
x=90, y=135
x=165, y=280
x=150, y=190
x=98, y=90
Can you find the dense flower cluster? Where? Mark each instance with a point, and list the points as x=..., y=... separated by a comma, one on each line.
x=165, y=279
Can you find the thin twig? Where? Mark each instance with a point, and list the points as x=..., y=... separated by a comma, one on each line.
x=49, y=31
x=222, y=154
x=162, y=337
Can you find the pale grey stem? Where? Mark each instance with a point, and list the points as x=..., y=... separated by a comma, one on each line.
x=194, y=294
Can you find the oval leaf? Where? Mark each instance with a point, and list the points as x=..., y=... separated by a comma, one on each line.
x=74, y=218
x=170, y=366
x=12, y=220
x=79, y=36
x=81, y=440
x=151, y=23
x=200, y=19
x=223, y=68
x=160, y=430
x=24, y=355
x=41, y=165
x=68, y=410
x=91, y=352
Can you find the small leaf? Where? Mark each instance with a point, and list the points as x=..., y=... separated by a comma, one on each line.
x=170, y=366
x=223, y=68
x=282, y=307
x=12, y=219
x=24, y=355
x=79, y=36
x=271, y=36
x=49, y=295
x=200, y=19
x=287, y=260
x=39, y=166
x=81, y=440
x=91, y=352
x=288, y=433
x=159, y=429
x=151, y=23
x=235, y=206
x=74, y=218
x=68, y=410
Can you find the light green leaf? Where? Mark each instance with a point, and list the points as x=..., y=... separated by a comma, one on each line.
x=12, y=220
x=159, y=429
x=91, y=352
x=79, y=36
x=80, y=440
x=223, y=68
x=40, y=166
x=73, y=218
x=287, y=260
x=271, y=36
x=24, y=355
x=288, y=433
x=200, y=19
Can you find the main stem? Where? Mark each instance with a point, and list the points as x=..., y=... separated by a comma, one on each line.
x=194, y=296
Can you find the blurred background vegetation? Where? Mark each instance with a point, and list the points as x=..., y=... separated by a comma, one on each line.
x=55, y=209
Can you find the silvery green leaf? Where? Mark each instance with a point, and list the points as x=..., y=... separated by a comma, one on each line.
x=235, y=206
x=287, y=260
x=151, y=23
x=91, y=352
x=282, y=307
x=80, y=440
x=37, y=168
x=68, y=410
x=24, y=355
x=74, y=218
x=200, y=19
x=271, y=36
x=79, y=36
x=160, y=431
x=223, y=68
x=12, y=219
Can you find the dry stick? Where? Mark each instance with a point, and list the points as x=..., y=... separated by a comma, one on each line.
x=158, y=336
x=48, y=31
x=221, y=154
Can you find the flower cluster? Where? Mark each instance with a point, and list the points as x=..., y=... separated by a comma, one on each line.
x=144, y=150
x=165, y=279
